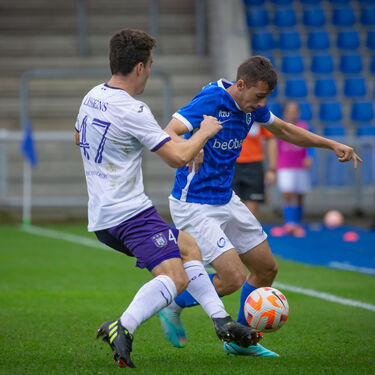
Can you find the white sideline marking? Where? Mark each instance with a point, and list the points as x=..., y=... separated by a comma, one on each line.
x=325, y=296
x=349, y=267
x=93, y=243
x=64, y=236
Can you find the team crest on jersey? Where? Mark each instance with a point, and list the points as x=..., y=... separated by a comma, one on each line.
x=159, y=239
x=249, y=117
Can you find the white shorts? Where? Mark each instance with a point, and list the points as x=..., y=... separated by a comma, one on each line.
x=218, y=228
x=293, y=180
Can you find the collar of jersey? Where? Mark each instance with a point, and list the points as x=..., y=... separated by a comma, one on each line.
x=114, y=88
x=224, y=84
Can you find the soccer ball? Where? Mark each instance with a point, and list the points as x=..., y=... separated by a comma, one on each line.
x=266, y=309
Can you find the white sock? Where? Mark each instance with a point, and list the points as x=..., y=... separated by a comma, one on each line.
x=201, y=288
x=150, y=299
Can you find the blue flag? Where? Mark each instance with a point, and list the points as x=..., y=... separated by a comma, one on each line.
x=27, y=145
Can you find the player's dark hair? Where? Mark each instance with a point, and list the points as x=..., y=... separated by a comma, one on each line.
x=127, y=48
x=255, y=69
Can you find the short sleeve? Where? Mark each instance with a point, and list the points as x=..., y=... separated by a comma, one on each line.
x=263, y=116
x=204, y=103
x=141, y=124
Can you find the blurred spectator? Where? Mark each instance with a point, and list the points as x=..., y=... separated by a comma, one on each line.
x=249, y=177
x=293, y=177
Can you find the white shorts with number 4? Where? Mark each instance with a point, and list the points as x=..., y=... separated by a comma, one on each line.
x=218, y=228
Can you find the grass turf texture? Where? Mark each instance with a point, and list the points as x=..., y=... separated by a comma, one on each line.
x=55, y=294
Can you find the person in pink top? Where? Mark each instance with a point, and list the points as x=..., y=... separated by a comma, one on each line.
x=293, y=177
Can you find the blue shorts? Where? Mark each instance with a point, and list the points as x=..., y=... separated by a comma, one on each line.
x=145, y=236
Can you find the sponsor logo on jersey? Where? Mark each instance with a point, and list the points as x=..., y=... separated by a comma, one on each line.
x=232, y=144
x=140, y=110
x=225, y=114
x=249, y=118
x=96, y=104
x=159, y=239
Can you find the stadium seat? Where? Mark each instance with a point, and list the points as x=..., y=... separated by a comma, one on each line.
x=306, y=113
x=351, y=64
x=292, y=64
x=257, y=17
x=314, y=17
x=285, y=17
x=276, y=108
x=290, y=40
x=325, y=88
x=322, y=64
x=274, y=92
x=318, y=40
x=338, y=130
x=368, y=16
x=262, y=41
x=295, y=88
x=355, y=87
x=282, y=2
x=330, y=112
x=370, y=40
x=343, y=16
x=347, y=39
x=254, y=2
x=372, y=64
x=310, y=2
x=362, y=111
x=339, y=1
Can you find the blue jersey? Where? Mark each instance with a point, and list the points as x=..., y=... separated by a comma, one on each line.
x=212, y=183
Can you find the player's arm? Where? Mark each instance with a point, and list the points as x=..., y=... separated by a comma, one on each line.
x=301, y=137
x=271, y=150
x=177, y=152
x=76, y=137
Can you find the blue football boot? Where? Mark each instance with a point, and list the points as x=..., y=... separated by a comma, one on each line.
x=172, y=327
x=254, y=350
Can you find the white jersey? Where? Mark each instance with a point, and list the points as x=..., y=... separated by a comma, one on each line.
x=113, y=128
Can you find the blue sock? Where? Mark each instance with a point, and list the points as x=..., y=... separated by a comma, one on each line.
x=298, y=214
x=246, y=290
x=185, y=299
x=288, y=213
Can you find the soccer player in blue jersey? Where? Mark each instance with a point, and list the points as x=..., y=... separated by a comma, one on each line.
x=112, y=129
x=203, y=204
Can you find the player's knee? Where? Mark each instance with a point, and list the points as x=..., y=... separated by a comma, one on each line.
x=234, y=281
x=181, y=281
x=267, y=273
x=188, y=247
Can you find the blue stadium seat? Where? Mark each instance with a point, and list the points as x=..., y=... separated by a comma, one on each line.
x=368, y=16
x=339, y=1
x=347, y=39
x=351, y=64
x=285, y=17
x=295, y=88
x=262, y=41
x=343, y=16
x=306, y=113
x=338, y=130
x=292, y=64
x=254, y=2
x=257, y=17
x=310, y=2
x=372, y=64
x=276, y=108
x=282, y=2
x=322, y=64
x=370, y=40
x=325, y=88
x=362, y=111
x=290, y=40
x=366, y=131
x=330, y=112
x=318, y=40
x=355, y=87
x=314, y=17
x=274, y=92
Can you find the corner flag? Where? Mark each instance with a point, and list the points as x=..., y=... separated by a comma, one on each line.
x=27, y=145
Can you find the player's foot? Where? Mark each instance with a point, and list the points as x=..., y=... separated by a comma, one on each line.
x=172, y=327
x=254, y=350
x=120, y=341
x=229, y=330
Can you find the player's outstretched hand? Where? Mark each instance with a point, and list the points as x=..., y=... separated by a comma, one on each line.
x=211, y=125
x=346, y=153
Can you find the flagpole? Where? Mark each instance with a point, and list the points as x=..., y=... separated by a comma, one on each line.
x=26, y=209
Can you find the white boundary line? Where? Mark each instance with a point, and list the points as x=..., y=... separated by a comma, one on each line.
x=50, y=233
x=325, y=296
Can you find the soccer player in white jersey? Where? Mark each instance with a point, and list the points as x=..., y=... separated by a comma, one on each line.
x=203, y=204
x=111, y=129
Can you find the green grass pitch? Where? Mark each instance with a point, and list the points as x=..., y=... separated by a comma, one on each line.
x=54, y=294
